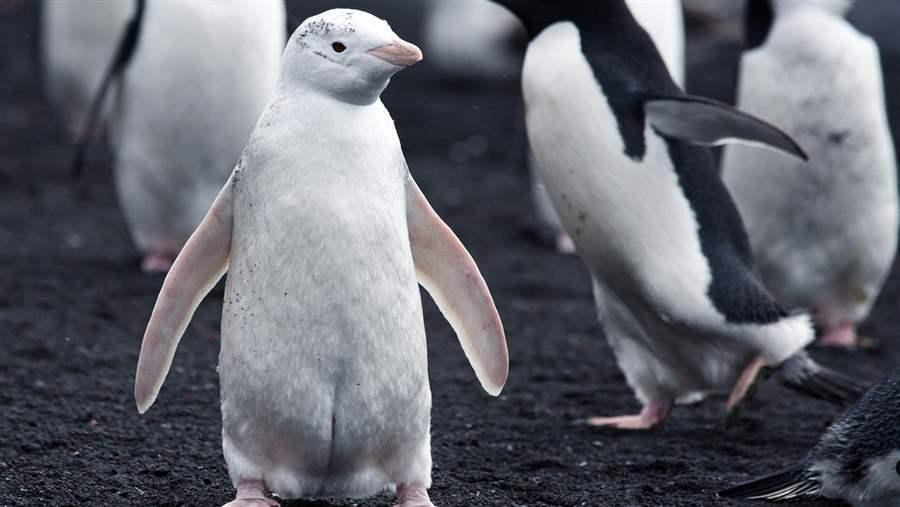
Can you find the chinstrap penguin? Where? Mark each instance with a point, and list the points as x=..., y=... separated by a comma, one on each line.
x=664, y=22
x=324, y=234
x=857, y=459
x=824, y=232
x=188, y=98
x=617, y=143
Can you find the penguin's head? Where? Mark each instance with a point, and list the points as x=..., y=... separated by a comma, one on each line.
x=347, y=54
x=836, y=7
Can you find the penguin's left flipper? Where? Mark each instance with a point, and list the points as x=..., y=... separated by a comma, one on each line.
x=707, y=122
x=449, y=274
x=785, y=485
x=199, y=266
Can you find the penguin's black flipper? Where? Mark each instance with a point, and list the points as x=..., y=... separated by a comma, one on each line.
x=707, y=122
x=124, y=53
x=803, y=374
x=791, y=483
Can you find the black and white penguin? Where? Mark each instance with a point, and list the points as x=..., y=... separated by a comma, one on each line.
x=856, y=460
x=674, y=280
x=824, y=232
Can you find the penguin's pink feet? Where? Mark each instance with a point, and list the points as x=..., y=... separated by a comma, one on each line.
x=653, y=414
x=564, y=244
x=157, y=263
x=843, y=336
x=252, y=494
x=744, y=383
x=412, y=495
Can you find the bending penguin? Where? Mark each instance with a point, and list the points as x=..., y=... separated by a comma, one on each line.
x=673, y=274
x=193, y=77
x=664, y=22
x=324, y=234
x=824, y=232
x=857, y=459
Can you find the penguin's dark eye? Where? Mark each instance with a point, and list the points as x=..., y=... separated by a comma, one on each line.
x=338, y=47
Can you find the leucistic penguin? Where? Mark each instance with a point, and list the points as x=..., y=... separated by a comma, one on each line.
x=824, y=232
x=78, y=40
x=323, y=366
x=857, y=459
x=200, y=74
x=616, y=141
x=664, y=21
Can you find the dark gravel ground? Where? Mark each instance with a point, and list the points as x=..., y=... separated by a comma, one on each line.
x=73, y=306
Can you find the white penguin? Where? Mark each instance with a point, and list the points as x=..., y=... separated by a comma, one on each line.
x=323, y=365
x=824, y=232
x=857, y=459
x=664, y=21
x=78, y=40
x=200, y=76
x=614, y=138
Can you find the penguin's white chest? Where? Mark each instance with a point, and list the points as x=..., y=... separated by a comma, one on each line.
x=629, y=218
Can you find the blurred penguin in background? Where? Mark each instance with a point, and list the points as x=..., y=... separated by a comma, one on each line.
x=491, y=46
x=824, y=232
x=200, y=74
x=78, y=39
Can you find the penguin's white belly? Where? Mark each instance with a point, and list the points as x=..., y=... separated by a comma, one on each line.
x=178, y=129
x=323, y=364
x=825, y=232
x=630, y=219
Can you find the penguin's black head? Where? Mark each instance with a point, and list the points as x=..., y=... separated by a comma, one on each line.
x=539, y=14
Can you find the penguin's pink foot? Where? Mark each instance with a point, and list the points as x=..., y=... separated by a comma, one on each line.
x=564, y=244
x=411, y=495
x=157, y=263
x=653, y=414
x=252, y=494
x=744, y=383
x=841, y=336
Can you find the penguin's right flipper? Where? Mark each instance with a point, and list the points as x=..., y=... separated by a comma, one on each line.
x=449, y=274
x=707, y=122
x=801, y=373
x=785, y=485
x=199, y=266
x=123, y=55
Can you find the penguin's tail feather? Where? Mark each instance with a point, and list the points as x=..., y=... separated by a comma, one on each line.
x=801, y=373
x=791, y=483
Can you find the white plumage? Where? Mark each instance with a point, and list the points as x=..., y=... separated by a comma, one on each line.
x=201, y=75
x=824, y=233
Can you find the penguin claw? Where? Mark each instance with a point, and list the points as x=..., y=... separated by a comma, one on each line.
x=157, y=263
x=652, y=415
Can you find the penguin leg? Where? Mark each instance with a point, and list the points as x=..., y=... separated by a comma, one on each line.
x=844, y=336
x=413, y=495
x=157, y=263
x=653, y=414
x=252, y=493
x=744, y=384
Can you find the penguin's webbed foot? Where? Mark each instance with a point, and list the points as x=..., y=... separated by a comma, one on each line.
x=652, y=415
x=157, y=263
x=845, y=337
x=745, y=386
x=252, y=494
x=410, y=495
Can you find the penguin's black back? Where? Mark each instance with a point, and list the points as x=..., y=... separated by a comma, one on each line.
x=630, y=71
x=869, y=430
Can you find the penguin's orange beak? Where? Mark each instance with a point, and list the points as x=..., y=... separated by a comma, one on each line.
x=399, y=53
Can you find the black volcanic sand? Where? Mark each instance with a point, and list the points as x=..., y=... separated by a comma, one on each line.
x=73, y=307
